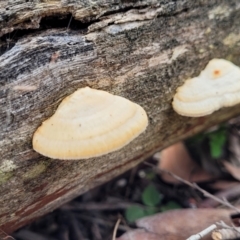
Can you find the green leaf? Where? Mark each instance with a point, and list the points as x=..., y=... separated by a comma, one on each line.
x=170, y=206
x=135, y=212
x=151, y=196
x=197, y=139
x=217, y=141
x=150, y=211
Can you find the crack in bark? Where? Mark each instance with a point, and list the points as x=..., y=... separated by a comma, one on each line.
x=8, y=41
x=68, y=21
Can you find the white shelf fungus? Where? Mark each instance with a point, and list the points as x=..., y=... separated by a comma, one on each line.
x=89, y=123
x=217, y=86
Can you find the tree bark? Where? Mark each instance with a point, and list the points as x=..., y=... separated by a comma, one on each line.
x=142, y=50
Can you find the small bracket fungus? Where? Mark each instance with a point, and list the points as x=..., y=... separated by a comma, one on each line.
x=89, y=123
x=217, y=86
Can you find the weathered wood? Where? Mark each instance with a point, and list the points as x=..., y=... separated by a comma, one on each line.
x=142, y=50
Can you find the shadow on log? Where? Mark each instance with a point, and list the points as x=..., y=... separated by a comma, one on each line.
x=141, y=50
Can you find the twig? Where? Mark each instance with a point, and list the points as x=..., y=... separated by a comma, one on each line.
x=96, y=231
x=228, y=194
x=222, y=224
x=74, y=224
x=30, y=235
x=194, y=185
x=203, y=233
x=100, y=221
x=227, y=232
x=224, y=234
x=100, y=206
x=116, y=228
x=6, y=236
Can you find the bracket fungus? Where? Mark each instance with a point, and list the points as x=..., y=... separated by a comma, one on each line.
x=89, y=123
x=217, y=86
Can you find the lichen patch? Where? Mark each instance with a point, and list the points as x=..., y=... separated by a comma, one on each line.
x=7, y=166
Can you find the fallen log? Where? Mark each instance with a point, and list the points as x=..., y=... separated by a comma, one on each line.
x=141, y=50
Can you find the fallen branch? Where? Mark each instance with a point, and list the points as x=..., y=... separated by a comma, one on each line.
x=224, y=234
x=116, y=228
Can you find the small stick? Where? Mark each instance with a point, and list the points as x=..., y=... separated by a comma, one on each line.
x=203, y=233
x=224, y=234
x=230, y=193
x=101, y=221
x=5, y=236
x=194, y=185
x=115, y=229
x=227, y=232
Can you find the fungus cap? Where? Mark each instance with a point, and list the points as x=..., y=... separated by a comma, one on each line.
x=217, y=86
x=89, y=123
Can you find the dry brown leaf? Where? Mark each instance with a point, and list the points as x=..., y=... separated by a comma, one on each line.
x=222, y=185
x=141, y=234
x=233, y=170
x=175, y=159
x=185, y=222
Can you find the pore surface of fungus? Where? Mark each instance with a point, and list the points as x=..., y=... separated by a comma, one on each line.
x=217, y=86
x=89, y=123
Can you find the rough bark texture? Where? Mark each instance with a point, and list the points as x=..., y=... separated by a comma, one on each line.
x=142, y=50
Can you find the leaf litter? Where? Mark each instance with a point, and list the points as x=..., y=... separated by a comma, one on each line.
x=145, y=200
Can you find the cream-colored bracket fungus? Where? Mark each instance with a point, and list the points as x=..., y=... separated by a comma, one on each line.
x=217, y=86
x=89, y=123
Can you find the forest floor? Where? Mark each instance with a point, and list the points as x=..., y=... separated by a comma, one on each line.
x=211, y=159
